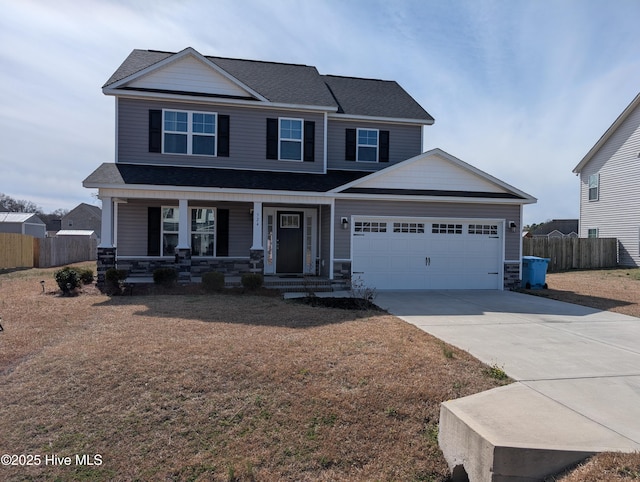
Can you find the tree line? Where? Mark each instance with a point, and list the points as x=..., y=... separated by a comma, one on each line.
x=11, y=205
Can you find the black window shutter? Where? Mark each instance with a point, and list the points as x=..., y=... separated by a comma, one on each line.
x=309, y=141
x=222, y=233
x=384, y=146
x=154, y=223
x=350, y=145
x=155, y=131
x=272, y=138
x=223, y=135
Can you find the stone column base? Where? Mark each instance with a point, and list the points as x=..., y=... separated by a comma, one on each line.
x=183, y=265
x=105, y=259
x=256, y=261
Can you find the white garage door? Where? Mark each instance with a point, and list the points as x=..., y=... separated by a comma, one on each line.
x=425, y=253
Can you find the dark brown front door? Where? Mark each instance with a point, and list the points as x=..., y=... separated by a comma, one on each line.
x=289, y=256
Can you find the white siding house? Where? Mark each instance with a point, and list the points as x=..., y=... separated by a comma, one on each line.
x=609, y=179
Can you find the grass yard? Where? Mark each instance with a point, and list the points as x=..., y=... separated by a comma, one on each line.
x=218, y=387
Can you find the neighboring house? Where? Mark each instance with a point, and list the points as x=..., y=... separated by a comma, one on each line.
x=249, y=166
x=609, y=178
x=22, y=223
x=83, y=217
x=557, y=228
x=53, y=226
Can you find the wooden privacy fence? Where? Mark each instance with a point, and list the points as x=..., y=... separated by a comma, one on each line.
x=573, y=253
x=16, y=251
x=50, y=252
x=22, y=251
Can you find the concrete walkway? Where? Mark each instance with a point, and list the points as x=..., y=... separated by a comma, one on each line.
x=577, y=372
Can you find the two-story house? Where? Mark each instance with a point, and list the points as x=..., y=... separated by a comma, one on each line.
x=609, y=195
x=249, y=166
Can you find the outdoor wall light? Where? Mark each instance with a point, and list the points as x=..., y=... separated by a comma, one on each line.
x=512, y=226
x=345, y=223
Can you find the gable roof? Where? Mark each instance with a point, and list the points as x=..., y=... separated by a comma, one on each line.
x=94, y=211
x=6, y=217
x=435, y=173
x=278, y=83
x=609, y=132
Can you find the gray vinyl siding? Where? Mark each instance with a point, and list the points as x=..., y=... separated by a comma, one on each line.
x=132, y=226
x=616, y=213
x=247, y=143
x=405, y=142
x=416, y=209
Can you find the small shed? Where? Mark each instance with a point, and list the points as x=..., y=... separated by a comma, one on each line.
x=22, y=223
x=84, y=233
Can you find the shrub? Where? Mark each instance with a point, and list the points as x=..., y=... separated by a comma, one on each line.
x=86, y=275
x=213, y=281
x=252, y=281
x=113, y=279
x=68, y=279
x=166, y=277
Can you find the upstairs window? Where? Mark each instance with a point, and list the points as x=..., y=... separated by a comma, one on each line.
x=367, y=145
x=187, y=132
x=290, y=142
x=594, y=187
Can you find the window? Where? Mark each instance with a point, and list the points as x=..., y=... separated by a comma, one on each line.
x=370, y=227
x=290, y=139
x=408, y=228
x=186, y=132
x=203, y=232
x=169, y=231
x=490, y=229
x=594, y=187
x=592, y=233
x=437, y=228
x=290, y=221
x=367, y=145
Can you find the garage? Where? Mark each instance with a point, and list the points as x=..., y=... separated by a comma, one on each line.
x=397, y=253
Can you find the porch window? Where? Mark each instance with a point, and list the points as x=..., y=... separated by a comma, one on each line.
x=203, y=231
x=594, y=187
x=367, y=145
x=291, y=139
x=188, y=132
x=169, y=231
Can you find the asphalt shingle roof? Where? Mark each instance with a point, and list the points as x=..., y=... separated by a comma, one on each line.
x=117, y=174
x=301, y=85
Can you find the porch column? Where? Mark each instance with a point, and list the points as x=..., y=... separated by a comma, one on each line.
x=257, y=226
x=183, y=250
x=183, y=227
x=106, y=236
x=106, y=251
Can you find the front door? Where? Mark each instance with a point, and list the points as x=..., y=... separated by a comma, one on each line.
x=289, y=242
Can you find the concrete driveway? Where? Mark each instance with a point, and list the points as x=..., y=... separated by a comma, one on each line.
x=577, y=368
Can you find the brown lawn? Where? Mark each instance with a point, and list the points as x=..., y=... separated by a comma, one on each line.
x=238, y=387
x=218, y=387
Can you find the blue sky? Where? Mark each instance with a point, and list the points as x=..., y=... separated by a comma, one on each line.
x=521, y=89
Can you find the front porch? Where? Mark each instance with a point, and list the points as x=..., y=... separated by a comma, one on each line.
x=289, y=243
